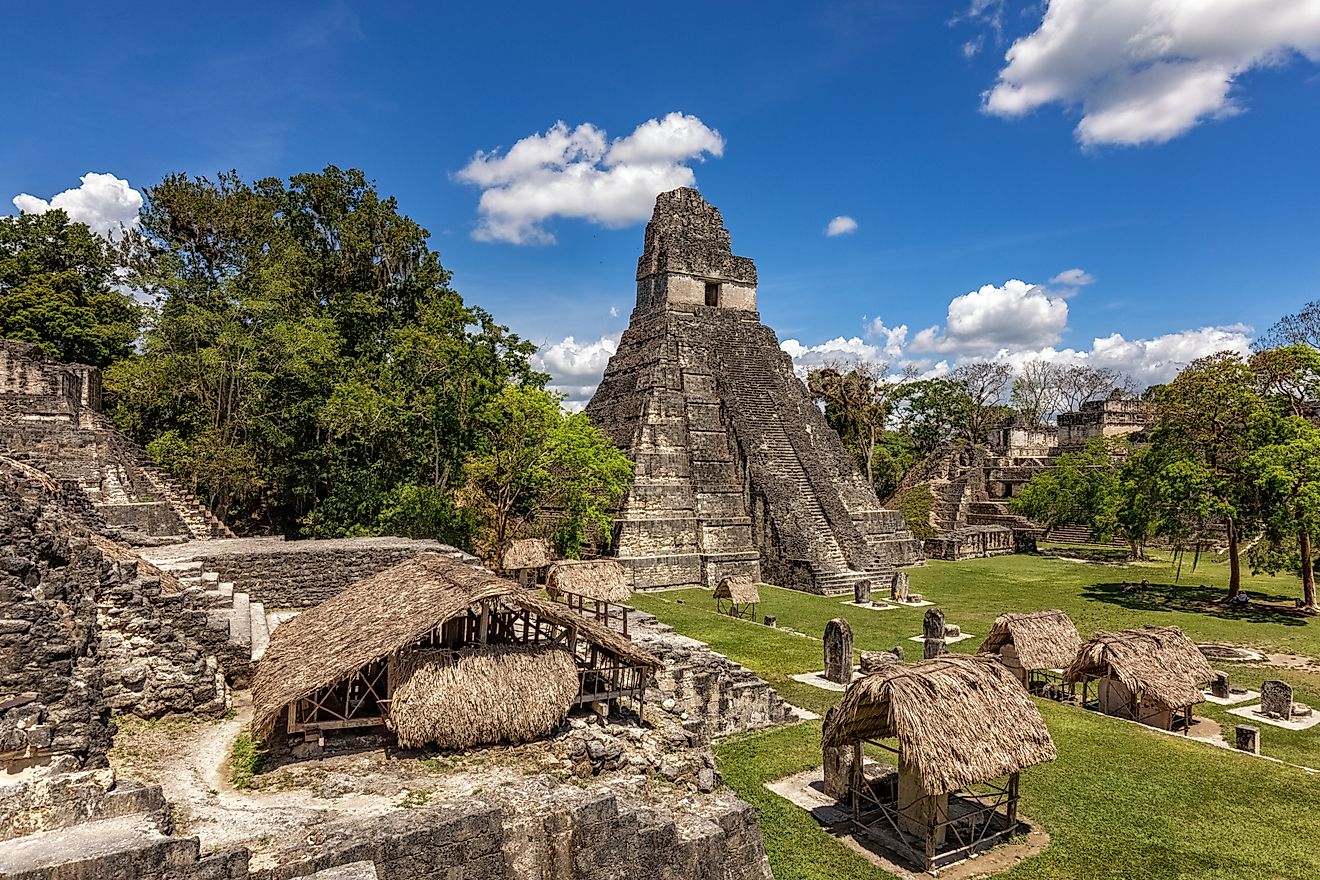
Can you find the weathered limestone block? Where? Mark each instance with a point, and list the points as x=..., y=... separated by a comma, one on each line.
x=1276, y=699
x=898, y=586
x=838, y=765
x=874, y=661
x=862, y=592
x=1219, y=685
x=1247, y=738
x=838, y=651
x=933, y=632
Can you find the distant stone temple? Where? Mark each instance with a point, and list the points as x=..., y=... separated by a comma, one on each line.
x=971, y=485
x=737, y=472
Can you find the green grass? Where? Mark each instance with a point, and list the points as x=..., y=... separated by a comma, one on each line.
x=245, y=761
x=1120, y=801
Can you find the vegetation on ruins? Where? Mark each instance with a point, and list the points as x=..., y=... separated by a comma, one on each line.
x=1098, y=486
x=534, y=461
x=58, y=290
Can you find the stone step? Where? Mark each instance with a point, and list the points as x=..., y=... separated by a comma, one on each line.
x=260, y=630
x=116, y=847
x=240, y=623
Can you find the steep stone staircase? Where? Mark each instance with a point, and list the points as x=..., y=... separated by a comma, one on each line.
x=126, y=460
x=757, y=386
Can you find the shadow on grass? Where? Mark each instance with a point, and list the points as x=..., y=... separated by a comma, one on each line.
x=1263, y=607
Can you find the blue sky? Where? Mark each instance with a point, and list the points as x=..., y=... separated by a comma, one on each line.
x=1167, y=149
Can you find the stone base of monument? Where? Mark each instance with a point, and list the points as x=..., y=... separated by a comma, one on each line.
x=916, y=603
x=1304, y=722
x=818, y=679
x=948, y=640
x=871, y=606
x=1235, y=696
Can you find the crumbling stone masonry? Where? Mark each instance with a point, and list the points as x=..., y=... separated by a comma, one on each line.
x=86, y=628
x=737, y=471
x=50, y=416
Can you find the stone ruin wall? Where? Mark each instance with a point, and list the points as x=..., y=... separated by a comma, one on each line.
x=82, y=829
x=86, y=629
x=50, y=417
x=295, y=574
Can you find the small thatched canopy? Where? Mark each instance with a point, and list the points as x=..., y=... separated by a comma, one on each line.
x=600, y=579
x=527, y=553
x=499, y=695
x=959, y=720
x=1158, y=662
x=1043, y=639
x=391, y=611
x=740, y=588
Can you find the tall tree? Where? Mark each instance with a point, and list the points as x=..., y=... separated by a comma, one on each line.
x=57, y=290
x=986, y=385
x=1037, y=390
x=858, y=404
x=1081, y=382
x=1300, y=328
x=536, y=462
x=1287, y=474
x=1209, y=420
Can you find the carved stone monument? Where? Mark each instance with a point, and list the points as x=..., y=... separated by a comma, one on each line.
x=1219, y=685
x=838, y=651
x=898, y=586
x=1247, y=738
x=862, y=592
x=933, y=630
x=1276, y=698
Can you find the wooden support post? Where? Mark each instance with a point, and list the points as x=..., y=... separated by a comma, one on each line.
x=483, y=622
x=1012, y=801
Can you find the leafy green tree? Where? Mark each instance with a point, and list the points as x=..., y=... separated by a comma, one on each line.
x=310, y=365
x=1209, y=420
x=57, y=290
x=1287, y=474
x=858, y=404
x=1098, y=486
x=932, y=412
x=535, y=461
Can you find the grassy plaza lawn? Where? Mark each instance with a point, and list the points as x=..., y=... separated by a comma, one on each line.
x=1121, y=801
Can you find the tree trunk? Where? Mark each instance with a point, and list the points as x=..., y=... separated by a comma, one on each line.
x=1308, y=572
x=1234, y=562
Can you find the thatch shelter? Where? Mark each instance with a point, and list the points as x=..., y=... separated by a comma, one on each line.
x=594, y=588
x=1035, y=646
x=527, y=560
x=737, y=595
x=960, y=722
x=342, y=664
x=1153, y=675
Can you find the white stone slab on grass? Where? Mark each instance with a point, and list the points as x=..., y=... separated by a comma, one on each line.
x=1232, y=699
x=947, y=640
x=1253, y=713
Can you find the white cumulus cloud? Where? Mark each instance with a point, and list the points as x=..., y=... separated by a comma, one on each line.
x=580, y=173
x=107, y=204
x=1073, y=278
x=841, y=225
x=1146, y=71
x=576, y=368
x=984, y=321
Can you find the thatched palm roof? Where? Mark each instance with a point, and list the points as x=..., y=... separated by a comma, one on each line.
x=959, y=720
x=389, y=611
x=600, y=579
x=509, y=694
x=1043, y=639
x=1158, y=662
x=740, y=588
x=527, y=553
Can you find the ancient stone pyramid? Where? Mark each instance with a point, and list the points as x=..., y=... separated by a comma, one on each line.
x=737, y=471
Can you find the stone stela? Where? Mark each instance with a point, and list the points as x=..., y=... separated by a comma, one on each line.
x=838, y=651
x=737, y=472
